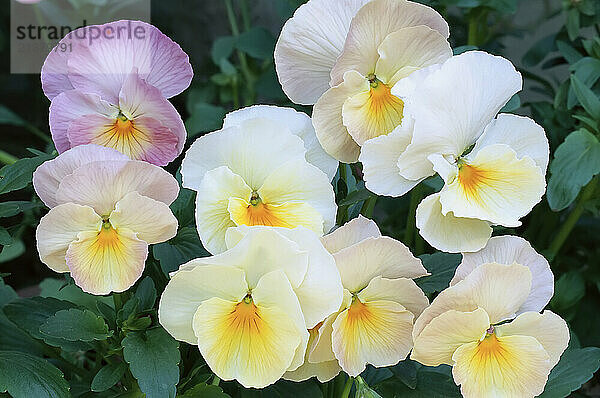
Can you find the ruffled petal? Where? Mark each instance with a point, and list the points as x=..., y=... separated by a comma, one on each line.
x=298, y=123
x=447, y=232
x=47, y=177
x=354, y=231
x=309, y=44
x=59, y=228
x=402, y=290
x=508, y=250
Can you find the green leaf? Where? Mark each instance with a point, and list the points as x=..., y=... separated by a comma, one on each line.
x=573, y=24
x=9, y=209
x=76, y=325
x=588, y=99
x=363, y=390
x=587, y=71
x=29, y=314
x=576, y=366
x=513, y=104
x=441, y=266
x=286, y=389
x=5, y=238
x=179, y=250
x=567, y=51
x=222, y=48
x=431, y=383
x=461, y=49
x=146, y=293
x=257, y=42
x=575, y=162
x=153, y=358
x=204, y=390
x=204, y=118
x=569, y=289
x=70, y=292
x=108, y=376
x=356, y=196
x=9, y=117
x=25, y=376
x=19, y=174
x=539, y=50
x=11, y=251
x=406, y=371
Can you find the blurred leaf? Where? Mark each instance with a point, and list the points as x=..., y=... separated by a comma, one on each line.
x=567, y=51
x=222, y=48
x=573, y=24
x=575, y=162
x=569, y=289
x=504, y=6
x=431, y=383
x=227, y=67
x=23, y=375
x=462, y=49
x=153, y=358
x=11, y=208
x=19, y=174
x=76, y=325
x=204, y=390
x=9, y=117
x=442, y=267
x=576, y=366
x=146, y=293
x=539, y=50
x=587, y=70
x=257, y=42
x=108, y=376
x=406, y=371
x=285, y=389
x=179, y=250
x=12, y=251
x=588, y=99
x=204, y=118
x=5, y=238
x=513, y=104
x=363, y=390
x=70, y=292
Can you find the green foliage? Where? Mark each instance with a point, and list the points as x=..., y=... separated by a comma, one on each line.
x=576, y=366
x=25, y=376
x=108, y=376
x=75, y=325
x=19, y=174
x=153, y=357
x=441, y=266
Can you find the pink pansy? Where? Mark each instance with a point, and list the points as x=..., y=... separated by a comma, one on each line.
x=105, y=211
x=110, y=89
x=100, y=58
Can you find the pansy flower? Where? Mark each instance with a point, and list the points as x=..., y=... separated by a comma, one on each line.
x=257, y=170
x=497, y=344
x=105, y=210
x=344, y=57
x=110, y=89
x=493, y=165
x=248, y=309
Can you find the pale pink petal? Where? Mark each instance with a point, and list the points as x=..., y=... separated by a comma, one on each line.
x=102, y=184
x=71, y=105
x=102, y=65
x=48, y=176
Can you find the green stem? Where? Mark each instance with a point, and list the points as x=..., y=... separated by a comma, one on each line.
x=118, y=300
x=7, y=158
x=249, y=78
x=572, y=219
x=368, y=207
x=216, y=381
x=473, y=27
x=411, y=222
x=347, y=387
x=245, y=15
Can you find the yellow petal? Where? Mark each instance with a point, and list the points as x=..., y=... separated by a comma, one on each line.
x=509, y=366
x=547, y=328
x=376, y=332
x=494, y=186
x=106, y=261
x=436, y=344
x=246, y=342
x=59, y=228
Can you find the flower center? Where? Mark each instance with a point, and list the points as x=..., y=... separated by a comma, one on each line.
x=124, y=136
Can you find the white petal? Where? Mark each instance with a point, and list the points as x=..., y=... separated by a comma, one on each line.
x=298, y=123
x=309, y=44
x=328, y=121
x=449, y=117
x=372, y=24
x=379, y=157
x=513, y=249
x=252, y=150
x=354, y=231
x=447, y=232
x=522, y=134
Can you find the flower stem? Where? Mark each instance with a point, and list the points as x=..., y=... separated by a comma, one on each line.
x=7, y=158
x=248, y=77
x=572, y=219
x=347, y=387
x=368, y=207
x=216, y=381
x=410, y=234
